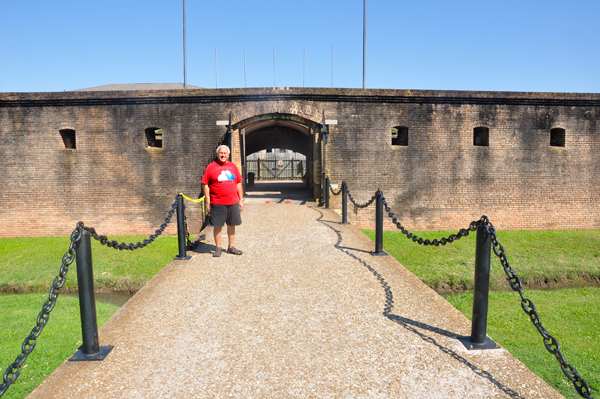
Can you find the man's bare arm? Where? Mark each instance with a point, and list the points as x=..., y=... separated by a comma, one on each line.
x=240, y=191
x=207, y=197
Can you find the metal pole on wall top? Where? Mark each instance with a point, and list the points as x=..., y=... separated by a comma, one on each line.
x=184, y=60
x=364, y=37
x=216, y=70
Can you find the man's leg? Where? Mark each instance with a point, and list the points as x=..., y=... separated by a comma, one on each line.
x=233, y=219
x=231, y=235
x=217, y=234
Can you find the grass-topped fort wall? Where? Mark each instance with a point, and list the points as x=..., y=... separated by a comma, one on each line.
x=442, y=158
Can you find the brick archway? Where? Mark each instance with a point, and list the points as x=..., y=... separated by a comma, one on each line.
x=285, y=131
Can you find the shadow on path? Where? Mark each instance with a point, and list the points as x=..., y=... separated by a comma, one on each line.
x=412, y=325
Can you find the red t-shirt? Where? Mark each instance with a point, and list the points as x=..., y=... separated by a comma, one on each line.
x=222, y=181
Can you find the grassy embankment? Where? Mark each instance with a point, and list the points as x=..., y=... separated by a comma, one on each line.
x=30, y=264
x=59, y=340
x=541, y=259
x=547, y=262
x=28, y=267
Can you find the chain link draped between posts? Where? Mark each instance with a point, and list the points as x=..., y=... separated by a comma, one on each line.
x=13, y=371
x=366, y=204
x=550, y=342
x=333, y=191
x=444, y=240
x=115, y=244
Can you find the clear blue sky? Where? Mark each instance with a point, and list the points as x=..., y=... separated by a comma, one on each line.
x=509, y=45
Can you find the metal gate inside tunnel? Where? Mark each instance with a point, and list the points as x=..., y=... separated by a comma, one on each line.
x=279, y=168
x=296, y=143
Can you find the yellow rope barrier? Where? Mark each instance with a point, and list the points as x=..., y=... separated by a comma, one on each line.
x=189, y=199
x=199, y=200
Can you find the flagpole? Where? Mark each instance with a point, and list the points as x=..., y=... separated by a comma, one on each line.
x=216, y=70
x=184, y=59
x=364, y=38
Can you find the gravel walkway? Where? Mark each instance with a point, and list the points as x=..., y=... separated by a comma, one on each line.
x=305, y=312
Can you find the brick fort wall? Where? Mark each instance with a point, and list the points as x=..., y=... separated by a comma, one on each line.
x=438, y=179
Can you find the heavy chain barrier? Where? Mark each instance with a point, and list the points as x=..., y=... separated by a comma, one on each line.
x=552, y=345
x=115, y=244
x=12, y=372
x=366, y=204
x=444, y=240
x=333, y=191
x=189, y=244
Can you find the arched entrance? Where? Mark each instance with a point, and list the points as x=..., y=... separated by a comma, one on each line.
x=283, y=131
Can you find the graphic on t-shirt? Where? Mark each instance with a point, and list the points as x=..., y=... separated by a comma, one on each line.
x=226, y=175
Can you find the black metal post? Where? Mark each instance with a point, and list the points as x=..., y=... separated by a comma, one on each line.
x=181, y=230
x=482, y=285
x=91, y=349
x=344, y=203
x=326, y=192
x=479, y=339
x=228, y=140
x=378, y=224
x=324, y=138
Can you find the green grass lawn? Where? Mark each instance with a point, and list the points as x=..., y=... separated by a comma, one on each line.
x=571, y=315
x=31, y=264
x=541, y=259
x=58, y=341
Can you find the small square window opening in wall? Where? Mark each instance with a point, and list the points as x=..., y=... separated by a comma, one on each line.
x=481, y=136
x=68, y=137
x=557, y=137
x=400, y=135
x=154, y=137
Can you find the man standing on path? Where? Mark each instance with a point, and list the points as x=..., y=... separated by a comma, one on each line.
x=224, y=198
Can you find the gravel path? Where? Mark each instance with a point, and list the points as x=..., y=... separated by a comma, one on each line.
x=305, y=312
